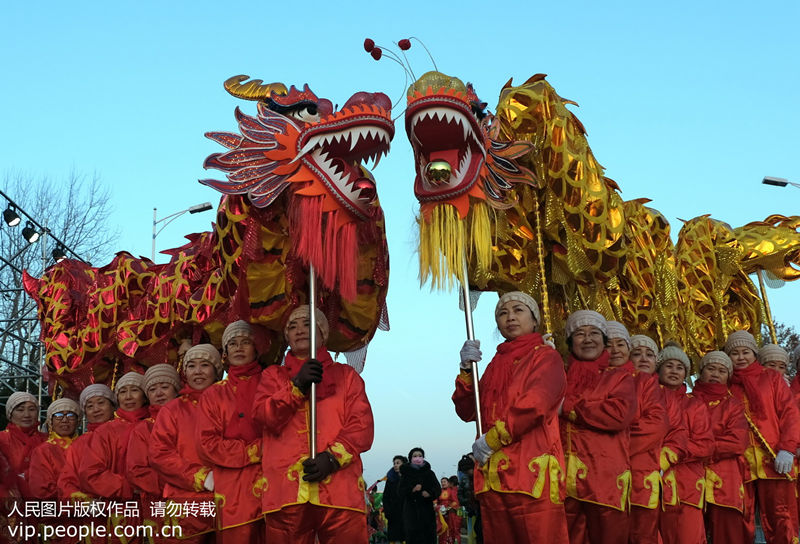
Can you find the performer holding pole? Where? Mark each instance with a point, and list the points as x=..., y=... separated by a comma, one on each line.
x=523, y=387
x=774, y=424
x=320, y=496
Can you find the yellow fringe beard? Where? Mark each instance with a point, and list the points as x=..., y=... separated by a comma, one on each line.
x=447, y=240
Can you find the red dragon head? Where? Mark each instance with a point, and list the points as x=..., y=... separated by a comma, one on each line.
x=298, y=138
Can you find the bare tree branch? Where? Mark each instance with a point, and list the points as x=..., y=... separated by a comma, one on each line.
x=76, y=210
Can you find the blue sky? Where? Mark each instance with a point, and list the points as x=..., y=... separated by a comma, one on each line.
x=688, y=104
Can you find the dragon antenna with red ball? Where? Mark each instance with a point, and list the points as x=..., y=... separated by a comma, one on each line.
x=377, y=52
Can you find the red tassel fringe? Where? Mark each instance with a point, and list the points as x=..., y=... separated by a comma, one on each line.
x=332, y=251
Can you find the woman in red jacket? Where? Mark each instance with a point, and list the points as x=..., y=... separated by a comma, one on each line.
x=682, y=521
x=321, y=497
x=448, y=506
x=20, y=437
x=724, y=494
x=161, y=385
x=774, y=424
x=173, y=450
x=97, y=403
x=647, y=433
x=48, y=458
x=520, y=461
x=102, y=469
x=229, y=440
x=598, y=410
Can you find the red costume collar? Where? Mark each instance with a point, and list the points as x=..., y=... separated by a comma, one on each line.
x=582, y=375
x=710, y=392
x=244, y=371
x=133, y=416
x=191, y=393
x=21, y=432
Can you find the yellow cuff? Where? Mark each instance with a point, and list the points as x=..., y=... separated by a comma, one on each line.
x=498, y=436
x=253, y=454
x=78, y=496
x=296, y=392
x=667, y=458
x=200, y=478
x=465, y=377
x=343, y=456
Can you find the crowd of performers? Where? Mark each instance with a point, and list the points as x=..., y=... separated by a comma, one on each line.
x=607, y=448
x=241, y=443
x=612, y=448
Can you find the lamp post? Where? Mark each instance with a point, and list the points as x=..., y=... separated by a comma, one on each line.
x=778, y=182
x=775, y=182
x=197, y=208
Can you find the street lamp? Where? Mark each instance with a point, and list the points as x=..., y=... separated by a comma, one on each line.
x=197, y=208
x=778, y=182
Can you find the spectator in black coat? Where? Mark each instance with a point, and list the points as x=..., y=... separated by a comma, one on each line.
x=392, y=502
x=419, y=487
x=466, y=494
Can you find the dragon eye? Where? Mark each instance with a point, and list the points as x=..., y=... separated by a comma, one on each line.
x=306, y=114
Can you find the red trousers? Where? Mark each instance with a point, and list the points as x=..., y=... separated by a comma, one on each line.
x=514, y=517
x=302, y=523
x=643, y=525
x=777, y=502
x=725, y=525
x=453, y=533
x=249, y=532
x=595, y=524
x=682, y=524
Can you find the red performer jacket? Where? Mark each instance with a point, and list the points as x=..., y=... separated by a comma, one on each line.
x=142, y=476
x=795, y=388
x=47, y=461
x=69, y=484
x=449, y=499
x=690, y=468
x=17, y=444
x=520, y=393
x=648, y=430
x=173, y=454
x=674, y=448
x=598, y=410
x=102, y=469
x=229, y=441
x=773, y=418
x=724, y=484
x=344, y=428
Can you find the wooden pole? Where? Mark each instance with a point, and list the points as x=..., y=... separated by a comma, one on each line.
x=471, y=336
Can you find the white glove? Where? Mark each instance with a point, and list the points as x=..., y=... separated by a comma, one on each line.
x=471, y=351
x=481, y=450
x=209, y=481
x=783, y=462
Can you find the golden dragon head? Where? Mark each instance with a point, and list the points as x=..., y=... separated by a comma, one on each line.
x=455, y=156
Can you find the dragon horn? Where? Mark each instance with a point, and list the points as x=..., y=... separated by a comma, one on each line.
x=252, y=90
